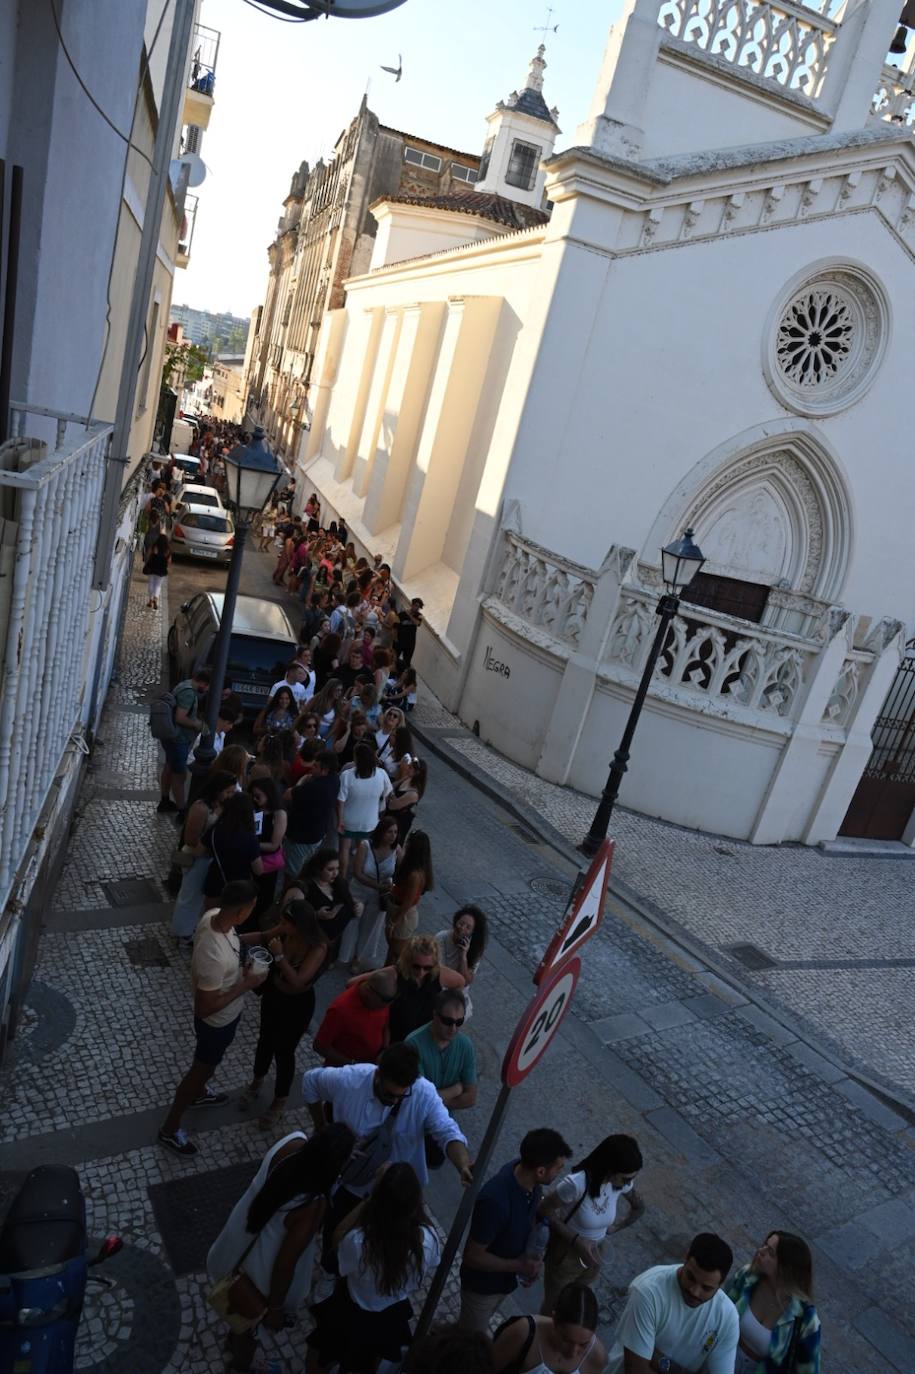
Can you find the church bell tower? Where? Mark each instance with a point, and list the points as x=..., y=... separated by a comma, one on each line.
x=522, y=131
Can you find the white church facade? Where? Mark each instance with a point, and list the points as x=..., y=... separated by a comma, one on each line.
x=712, y=328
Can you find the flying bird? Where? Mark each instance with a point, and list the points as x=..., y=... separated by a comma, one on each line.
x=397, y=71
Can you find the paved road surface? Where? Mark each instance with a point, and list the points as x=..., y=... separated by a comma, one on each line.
x=742, y=1127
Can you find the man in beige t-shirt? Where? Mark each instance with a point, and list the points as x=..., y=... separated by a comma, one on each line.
x=220, y=983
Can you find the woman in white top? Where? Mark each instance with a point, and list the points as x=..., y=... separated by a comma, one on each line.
x=385, y=1247
x=364, y=789
x=268, y=1239
x=373, y=869
x=390, y=721
x=462, y=946
x=562, y=1343
x=582, y=1211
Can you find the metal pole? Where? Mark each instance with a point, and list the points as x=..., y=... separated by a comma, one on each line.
x=9, y=306
x=462, y=1216
x=169, y=114
x=667, y=608
x=204, y=754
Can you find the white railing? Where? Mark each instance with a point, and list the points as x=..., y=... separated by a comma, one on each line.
x=778, y=40
x=894, y=99
x=50, y=509
x=714, y=656
x=545, y=590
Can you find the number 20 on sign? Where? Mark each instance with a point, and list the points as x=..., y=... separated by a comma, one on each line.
x=539, y=1024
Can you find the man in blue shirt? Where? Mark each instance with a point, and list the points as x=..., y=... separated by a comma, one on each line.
x=504, y=1216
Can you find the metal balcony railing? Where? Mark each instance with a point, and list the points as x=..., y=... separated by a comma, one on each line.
x=50, y=496
x=203, y=61
x=186, y=236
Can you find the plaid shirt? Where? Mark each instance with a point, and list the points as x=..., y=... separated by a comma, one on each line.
x=807, y=1351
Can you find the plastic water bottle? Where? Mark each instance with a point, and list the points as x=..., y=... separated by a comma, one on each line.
x=536, y=1247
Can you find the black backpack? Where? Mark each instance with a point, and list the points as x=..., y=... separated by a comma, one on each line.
x=162, y=717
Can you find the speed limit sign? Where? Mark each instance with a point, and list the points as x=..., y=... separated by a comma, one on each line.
x=539, y=1023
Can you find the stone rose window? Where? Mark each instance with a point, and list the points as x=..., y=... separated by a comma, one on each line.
x=825, y=340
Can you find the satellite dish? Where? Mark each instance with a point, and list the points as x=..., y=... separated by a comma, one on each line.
x=346, y=9
x=196, y=169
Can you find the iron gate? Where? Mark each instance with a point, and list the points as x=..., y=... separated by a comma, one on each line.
x=885, y=797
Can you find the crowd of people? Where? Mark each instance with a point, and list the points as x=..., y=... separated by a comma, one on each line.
x=300, y=850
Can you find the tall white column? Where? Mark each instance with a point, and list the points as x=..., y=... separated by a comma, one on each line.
x=454, y=397
x=408, y=387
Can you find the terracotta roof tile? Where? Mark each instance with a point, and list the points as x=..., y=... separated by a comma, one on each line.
x=485, y=204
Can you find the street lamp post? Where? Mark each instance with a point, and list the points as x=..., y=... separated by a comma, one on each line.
x=680, y=561
x=252, y=472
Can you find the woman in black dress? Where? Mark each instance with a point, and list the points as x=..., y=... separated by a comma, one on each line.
x=330, y=898
x=236, y=851
x=287, y=1003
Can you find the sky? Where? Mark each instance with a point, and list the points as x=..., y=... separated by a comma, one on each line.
x=285, y=92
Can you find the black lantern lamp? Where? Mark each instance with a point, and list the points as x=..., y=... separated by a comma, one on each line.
x=680, y=561
x=252, y=472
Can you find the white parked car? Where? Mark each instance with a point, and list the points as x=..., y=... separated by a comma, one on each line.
x=204, y=532
x=198, y=494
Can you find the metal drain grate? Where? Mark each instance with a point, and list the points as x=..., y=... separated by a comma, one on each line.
x=523, y=833
x=146, y=953
x=191, y=1212
x=132, y=892
x=751, y=956
x=549, y=887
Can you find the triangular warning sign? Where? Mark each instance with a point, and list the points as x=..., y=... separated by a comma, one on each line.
x=583, y=916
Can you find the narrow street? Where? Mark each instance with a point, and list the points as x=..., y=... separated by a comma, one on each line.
x=743, y=1126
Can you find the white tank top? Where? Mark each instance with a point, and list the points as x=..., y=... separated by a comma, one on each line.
x=754, y=1337
x=543, y=1368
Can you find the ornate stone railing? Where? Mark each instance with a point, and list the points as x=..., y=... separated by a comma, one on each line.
x=852, y=676
x=723, y=659
x=894, y=99
x=778, y=40
x=543, y=589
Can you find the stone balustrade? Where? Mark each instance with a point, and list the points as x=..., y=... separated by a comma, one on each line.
x=779, y=40
x=546, y=591
x=716, y=656
x=894, y=99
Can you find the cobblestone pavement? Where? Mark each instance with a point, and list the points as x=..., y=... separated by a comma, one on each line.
x=832, y=938
x=743, y=1125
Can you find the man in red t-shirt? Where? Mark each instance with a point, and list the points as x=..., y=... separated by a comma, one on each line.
x=355, y=1025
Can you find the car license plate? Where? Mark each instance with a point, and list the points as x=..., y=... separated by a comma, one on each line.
x=255, y=689
x=205, y=553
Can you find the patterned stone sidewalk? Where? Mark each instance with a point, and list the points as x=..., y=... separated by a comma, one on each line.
x=741, y=1129
x=829, y=941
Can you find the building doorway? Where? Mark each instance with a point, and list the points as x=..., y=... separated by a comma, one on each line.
x=884, y=799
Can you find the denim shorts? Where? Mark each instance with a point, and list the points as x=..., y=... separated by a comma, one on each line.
x=176, y=752
x=213, y=1041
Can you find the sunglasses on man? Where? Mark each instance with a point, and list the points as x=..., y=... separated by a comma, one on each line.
x=450, y=1020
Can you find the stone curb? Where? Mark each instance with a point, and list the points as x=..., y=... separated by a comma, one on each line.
x=885, y=1098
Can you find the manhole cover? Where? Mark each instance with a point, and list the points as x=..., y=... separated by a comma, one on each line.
x=146, y=953
x=132, y=892
x=549, y=887
x=751, y=957
x=191, y=1212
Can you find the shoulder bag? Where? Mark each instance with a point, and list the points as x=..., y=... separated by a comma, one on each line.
x=557, y=1248
x=372, y=1150
x=517, y=1364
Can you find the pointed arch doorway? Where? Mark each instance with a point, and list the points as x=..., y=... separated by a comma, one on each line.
x=884, y=801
